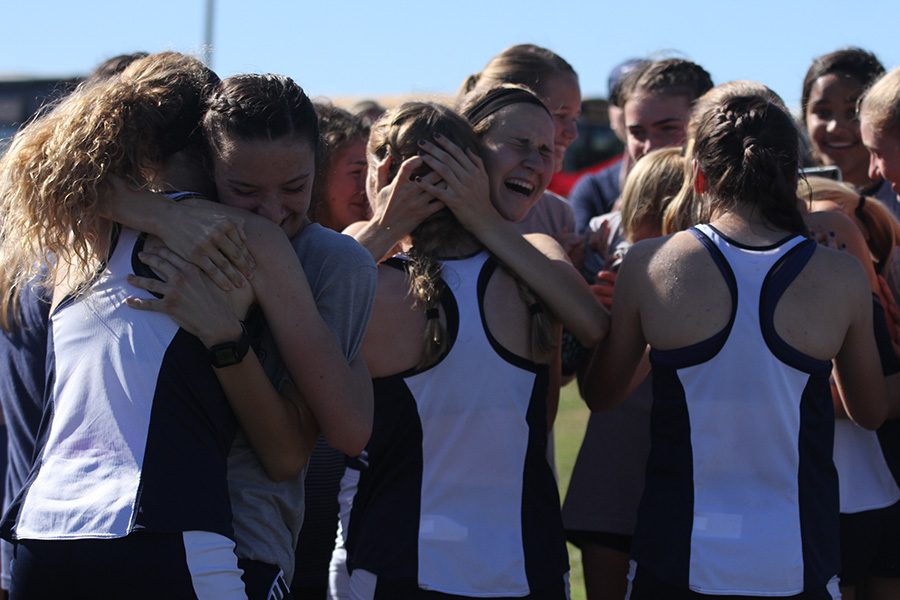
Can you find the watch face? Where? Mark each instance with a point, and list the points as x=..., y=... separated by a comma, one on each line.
x=224, y=355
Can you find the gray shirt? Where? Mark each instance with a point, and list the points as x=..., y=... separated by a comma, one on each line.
x=268, y=515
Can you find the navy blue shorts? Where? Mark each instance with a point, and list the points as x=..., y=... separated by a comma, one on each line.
x=192, y=565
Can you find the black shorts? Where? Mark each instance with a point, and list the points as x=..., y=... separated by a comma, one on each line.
x=140, y=566
x=409, y=590
x=615, y=541
x=645, y=586
x=870, y=544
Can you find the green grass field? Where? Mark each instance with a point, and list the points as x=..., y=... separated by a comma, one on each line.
x=568, y=433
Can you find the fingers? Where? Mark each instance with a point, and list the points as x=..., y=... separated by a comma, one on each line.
x=407, y=167
x=608, y=277
x=145, y=304
x=382, y=171
x=221, y=271
x=154, y=286
x=459, y=155
x=442, y=163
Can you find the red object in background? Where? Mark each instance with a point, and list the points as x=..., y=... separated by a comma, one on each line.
x=563, y=182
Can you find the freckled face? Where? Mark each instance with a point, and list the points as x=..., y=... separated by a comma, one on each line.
x=272, y=178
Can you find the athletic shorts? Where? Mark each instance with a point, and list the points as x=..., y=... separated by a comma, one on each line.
x=366, y=586
x=194, y=565
x=643, y=585
x=264, y=581
x=870, y=544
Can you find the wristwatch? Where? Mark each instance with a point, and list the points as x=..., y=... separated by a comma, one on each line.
x=230, y=353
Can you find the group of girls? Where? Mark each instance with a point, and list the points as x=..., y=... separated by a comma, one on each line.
x=600, y=513
x=170, y=455
x=197, y=349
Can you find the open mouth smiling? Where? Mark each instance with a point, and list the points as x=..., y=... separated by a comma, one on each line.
x=519, y=186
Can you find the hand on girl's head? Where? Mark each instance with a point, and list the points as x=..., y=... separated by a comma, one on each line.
x=465, y=186
x=400, y=204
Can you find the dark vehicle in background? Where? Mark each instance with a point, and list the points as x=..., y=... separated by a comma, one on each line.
x=20, y=99
x=595, y=148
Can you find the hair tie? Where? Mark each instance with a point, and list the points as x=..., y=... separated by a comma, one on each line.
x=862, y=202
x=535, y=309
x=499, y=98
x=432, y=313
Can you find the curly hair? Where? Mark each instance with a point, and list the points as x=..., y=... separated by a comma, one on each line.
x=57, y=168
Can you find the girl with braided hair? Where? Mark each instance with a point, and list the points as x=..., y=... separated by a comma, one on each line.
x=456, y=495
x=741, y=493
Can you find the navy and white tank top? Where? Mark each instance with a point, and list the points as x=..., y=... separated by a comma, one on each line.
x=138, y=428
x=456, y=493
x=741, y=495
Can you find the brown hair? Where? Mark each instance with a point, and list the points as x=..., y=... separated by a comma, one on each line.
x=670, y=77
x=687, y=208
x=57, y=167
x=259, y=107
x=747, y=147
x=397, y=134
x=861, y=65
x=338, y=128
x=523, y=64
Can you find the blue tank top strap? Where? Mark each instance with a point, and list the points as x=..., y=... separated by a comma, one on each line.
x=779, y=277
x=719, y=258
x=490, y=266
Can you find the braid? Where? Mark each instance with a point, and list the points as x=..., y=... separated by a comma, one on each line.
x=747, y=147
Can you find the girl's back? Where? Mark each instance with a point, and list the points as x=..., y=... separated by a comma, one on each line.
x=685, y=299
x=462, y=442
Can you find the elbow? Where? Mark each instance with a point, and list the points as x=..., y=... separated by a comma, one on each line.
x=872, y=420
x=595, y=328
x=286, y=468
x=351, y=443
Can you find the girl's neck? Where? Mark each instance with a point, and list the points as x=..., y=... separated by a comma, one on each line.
x=745, y=224
x=459, y=246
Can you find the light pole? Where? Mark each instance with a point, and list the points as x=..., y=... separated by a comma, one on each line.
x=208, y=32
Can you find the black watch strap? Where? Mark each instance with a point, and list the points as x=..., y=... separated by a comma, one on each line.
x=230, y=353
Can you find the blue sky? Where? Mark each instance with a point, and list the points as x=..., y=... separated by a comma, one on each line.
x=338, y=48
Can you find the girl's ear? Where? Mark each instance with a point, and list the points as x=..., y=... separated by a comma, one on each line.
x=699, y=178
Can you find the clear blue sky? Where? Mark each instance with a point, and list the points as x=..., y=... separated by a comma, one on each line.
x=349, y=47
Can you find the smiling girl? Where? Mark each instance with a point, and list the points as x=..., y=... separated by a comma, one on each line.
x=831, y=89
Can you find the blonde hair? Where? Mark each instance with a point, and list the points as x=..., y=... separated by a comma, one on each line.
x=57, y=168
x=879, y=227
x=649, y=188
x=397, y=134
x=880, y=104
